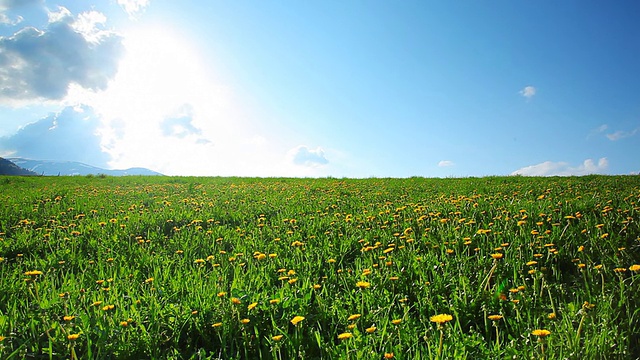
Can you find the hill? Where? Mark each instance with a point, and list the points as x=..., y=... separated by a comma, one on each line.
x=53, y=168
x=9, y=168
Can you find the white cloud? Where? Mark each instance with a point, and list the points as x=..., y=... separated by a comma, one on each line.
x=528, y=92
x=550, y=168
x=38, y=65
x=446, y=163
x=133, y=7
x=302, y=155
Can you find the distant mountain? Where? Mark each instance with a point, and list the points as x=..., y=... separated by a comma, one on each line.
x=9, y=168
x=52, y=168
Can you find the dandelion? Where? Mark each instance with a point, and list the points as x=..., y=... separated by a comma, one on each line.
x=73, y=337
x=388, y=355
x=497, y=256
x=218, y=324
x=494, y=317
x=634, y=268
x=371, y=329
x=149, y=280
x=354, y=317
x=274, y=301
x=252, y=305
x=235, y=300
x=296, y=320
x=540, y=333
x=345, y=335
x=551, y=316
x=33, y=273
x=363, y=284
x=441, y=318
x=245, y=321
x=277, y=337
x=68, y=318
x=317, y=286
x=396, y=321
x=108, y=307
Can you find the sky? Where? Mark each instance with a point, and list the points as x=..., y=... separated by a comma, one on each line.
x=357, y=88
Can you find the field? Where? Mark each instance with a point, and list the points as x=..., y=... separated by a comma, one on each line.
x=239, y=268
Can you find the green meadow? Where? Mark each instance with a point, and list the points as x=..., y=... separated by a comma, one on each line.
x=243, y=268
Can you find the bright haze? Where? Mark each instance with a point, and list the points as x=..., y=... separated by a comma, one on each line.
x=324, y=88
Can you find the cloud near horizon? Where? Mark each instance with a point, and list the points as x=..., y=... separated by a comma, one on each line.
x=72, y=134
x=446, y=163
x=41, y=64
x=550, y=168
x=304, y=156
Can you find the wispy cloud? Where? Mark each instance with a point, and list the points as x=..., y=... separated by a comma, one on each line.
x=615, y=136
x=133, y=7
x=304, y=156
x=446, y=163
x=528, y=92
x=550, y=168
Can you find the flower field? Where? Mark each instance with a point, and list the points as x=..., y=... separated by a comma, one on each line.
x=241, y=268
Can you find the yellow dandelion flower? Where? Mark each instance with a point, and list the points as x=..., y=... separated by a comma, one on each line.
x=297, y=319
x=274, y=301
x=540, y=332
x=68, y=318
x=218, y=324
x=363, y=284
x=531, y=263
x=73, y=337
x=124, y=323
x=441, y=318
x=245, y=321
x=634, y=268
x=497, y=256
x=108, y=307
x=222, y=293
x=388, y=355
x=494, y=317
x=33, y=273
x=316, y=286
x=396, y=321
x=354, y=317
x=551, y=316
x=235, y=300
x=345, y=335
x=371, y=329
x=277, y=337
x=252, y=305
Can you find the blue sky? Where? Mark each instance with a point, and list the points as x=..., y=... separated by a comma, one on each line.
x=323, y=88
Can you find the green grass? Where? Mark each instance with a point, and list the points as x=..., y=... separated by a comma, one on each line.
x=148, y=267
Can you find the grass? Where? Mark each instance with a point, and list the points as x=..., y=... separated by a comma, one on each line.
x=207, y=268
